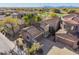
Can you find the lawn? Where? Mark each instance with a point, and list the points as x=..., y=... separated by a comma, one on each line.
x=61, y=15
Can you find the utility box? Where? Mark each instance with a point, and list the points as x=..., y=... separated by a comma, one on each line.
x=68, y=39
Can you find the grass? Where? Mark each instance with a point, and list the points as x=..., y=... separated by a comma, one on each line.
x=61, y=15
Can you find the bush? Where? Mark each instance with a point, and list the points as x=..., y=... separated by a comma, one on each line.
x=65, y=9
x=27, y=20
x=37, y=19
x=57, y=11
x=1, y=23
x=71, y=11
x=34, y=48
x=53, y=15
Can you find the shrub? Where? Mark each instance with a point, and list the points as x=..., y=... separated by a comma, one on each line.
x=52, y=15
x=57, y=11
x=34, y=48
x=26, y=19
x=65, y=9
x=71, y=11
x=37, y=19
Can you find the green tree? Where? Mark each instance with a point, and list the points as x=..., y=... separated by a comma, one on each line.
x=57, y=11
x=13, y=22
x=27, y=20
x=1, y=23
x=71, y=11
x=37, y=19
x=65, y=9
x=34, y=48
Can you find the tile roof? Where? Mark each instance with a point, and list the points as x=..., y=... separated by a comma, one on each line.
x=34, y=32
x=51, y=22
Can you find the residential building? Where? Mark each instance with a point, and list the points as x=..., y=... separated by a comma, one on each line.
x=31, y=33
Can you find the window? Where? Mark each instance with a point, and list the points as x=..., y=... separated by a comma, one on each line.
x=27, y=37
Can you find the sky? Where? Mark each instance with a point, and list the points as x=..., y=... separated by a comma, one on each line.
x=38, y=4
